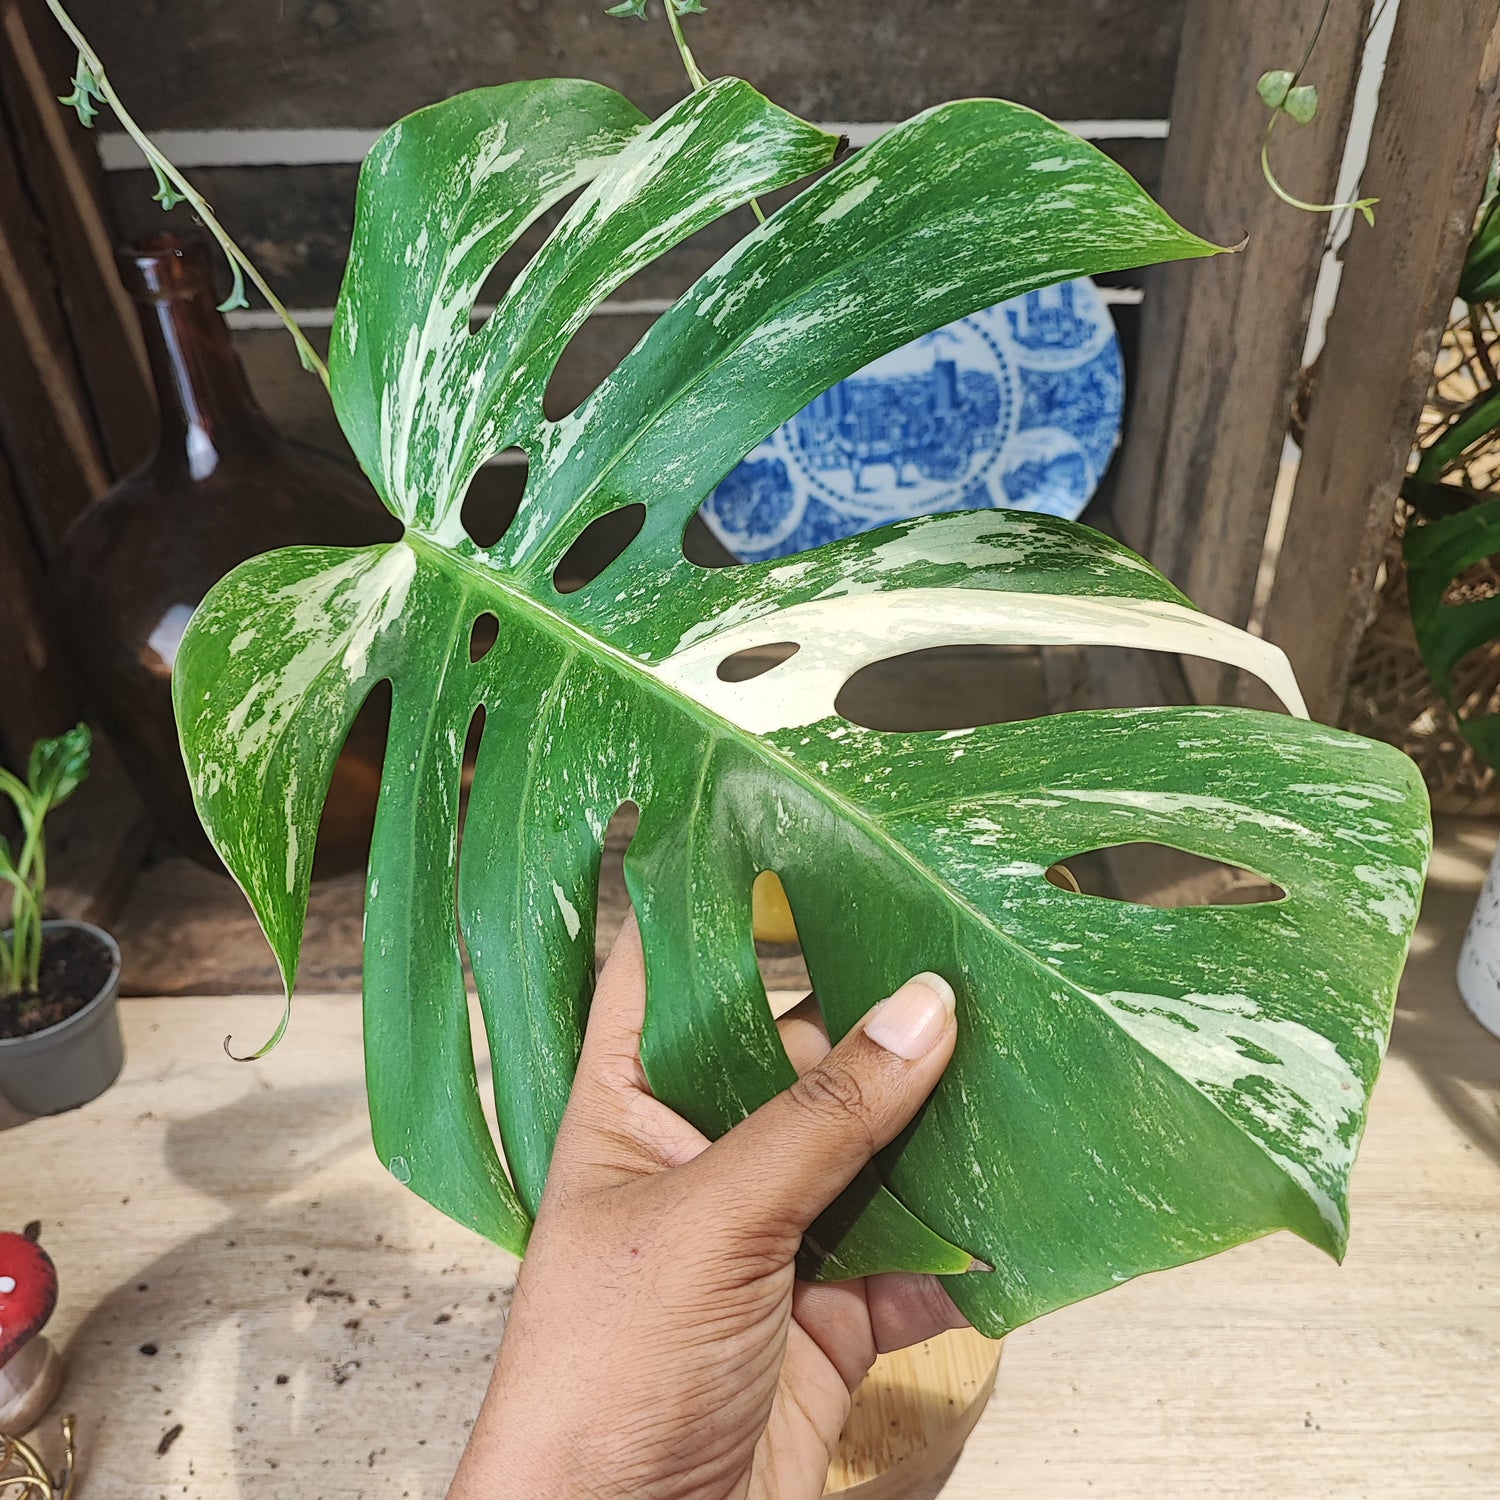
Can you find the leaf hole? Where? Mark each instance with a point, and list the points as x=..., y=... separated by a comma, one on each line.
x=494, y=497
x=1150, y=874
x=613, y=900
x=348, y=817
x=473, y=736
x=477, y=1037
x=590, y=355
x=503, y=273
x=756, y=661
x=1089, y=677
x=1478, y=581
x=597, y=546
x=946, y=687
x=483, y=635
x=703, y=549
x=778, y=948
x=973, y=685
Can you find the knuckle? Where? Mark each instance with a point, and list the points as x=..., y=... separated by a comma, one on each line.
x=831, y=1090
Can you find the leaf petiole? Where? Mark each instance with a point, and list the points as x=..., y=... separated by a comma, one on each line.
x=696, y=76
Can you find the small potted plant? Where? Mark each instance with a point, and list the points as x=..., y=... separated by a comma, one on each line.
x=60, y=1042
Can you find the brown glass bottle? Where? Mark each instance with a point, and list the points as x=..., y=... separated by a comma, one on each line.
x=222, y=486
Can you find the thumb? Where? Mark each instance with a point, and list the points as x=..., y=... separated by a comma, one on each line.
x=791, y=1158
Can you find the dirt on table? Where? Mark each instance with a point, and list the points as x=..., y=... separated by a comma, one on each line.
x=75, y=967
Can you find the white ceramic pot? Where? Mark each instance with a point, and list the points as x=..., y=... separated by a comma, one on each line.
x=1479, y=958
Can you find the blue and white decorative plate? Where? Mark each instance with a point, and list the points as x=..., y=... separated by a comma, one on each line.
x=1018, y=406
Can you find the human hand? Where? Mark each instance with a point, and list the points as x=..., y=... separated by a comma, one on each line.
x=659, y=1346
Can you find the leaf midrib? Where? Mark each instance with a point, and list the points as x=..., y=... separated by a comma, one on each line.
x=579, y=640
x=802, y=291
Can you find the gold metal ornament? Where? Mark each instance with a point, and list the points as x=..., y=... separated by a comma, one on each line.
x=24, y=1476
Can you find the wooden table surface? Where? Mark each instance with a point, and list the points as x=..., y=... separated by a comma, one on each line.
x=319, y=1332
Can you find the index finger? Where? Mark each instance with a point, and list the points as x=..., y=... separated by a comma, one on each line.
x=612, y=1038
x=803, y=1034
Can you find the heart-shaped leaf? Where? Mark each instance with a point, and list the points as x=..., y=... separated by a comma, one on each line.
x=1133, y=1087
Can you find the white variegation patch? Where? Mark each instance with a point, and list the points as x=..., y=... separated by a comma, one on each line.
x=1287, y=1086
x=1217, y=812
x=840, y=635
x=567, y=909
x=332, y=617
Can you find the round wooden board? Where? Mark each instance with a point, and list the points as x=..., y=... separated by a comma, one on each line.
x=912, y=1414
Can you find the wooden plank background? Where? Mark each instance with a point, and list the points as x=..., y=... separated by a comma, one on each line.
x=299, y=63
x=269, y=105
x=75, y=411
x=1199, y=468
x=1440, y=101
x=295, y=222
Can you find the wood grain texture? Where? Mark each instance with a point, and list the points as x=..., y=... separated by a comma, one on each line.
x=233, y=1217
x=1433, y=138
x=75, y=411
x=65, y=182
x=46, y=428
x=1225, y=337
x=39, y=698
x=184, y=65
x=912, y=1416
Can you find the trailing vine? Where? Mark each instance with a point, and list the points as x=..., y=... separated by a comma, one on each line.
x=1283, y=93
x=91, y=88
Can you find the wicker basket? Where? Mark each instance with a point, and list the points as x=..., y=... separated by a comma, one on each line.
x=1390, y=696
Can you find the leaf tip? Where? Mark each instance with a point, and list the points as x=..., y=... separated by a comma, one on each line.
x=268, y=1046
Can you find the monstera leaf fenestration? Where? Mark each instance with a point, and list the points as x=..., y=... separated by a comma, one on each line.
x=1133, y=1087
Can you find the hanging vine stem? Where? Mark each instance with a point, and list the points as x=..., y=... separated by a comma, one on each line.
x=696, y=76
x=90, y=84
x=675, y=9
x=1285, y=94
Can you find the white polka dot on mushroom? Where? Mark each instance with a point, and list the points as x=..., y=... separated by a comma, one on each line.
x=7, y=1283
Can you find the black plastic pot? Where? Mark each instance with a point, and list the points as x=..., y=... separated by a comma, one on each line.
x=74, y=1061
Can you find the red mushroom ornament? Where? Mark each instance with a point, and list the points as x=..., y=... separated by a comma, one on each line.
x=30, y=1372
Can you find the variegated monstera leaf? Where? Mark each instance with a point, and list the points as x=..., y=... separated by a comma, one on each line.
x=1133, y=1087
